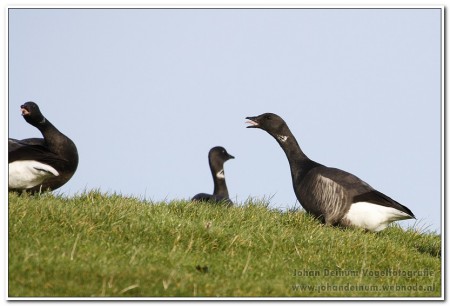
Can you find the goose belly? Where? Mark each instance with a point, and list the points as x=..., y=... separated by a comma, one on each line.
x=372, y=217
x=25, y=174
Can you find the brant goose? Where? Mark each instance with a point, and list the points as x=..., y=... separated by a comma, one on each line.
x=39, y=164
x=217, y=156
x=334, y=196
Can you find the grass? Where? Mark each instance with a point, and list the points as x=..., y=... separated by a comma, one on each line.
x=108, y=245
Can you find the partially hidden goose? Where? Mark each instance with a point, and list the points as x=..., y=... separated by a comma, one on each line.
x=217, y=156
x=40, y=164
x=332, y=195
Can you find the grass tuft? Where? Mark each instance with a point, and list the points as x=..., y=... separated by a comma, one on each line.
x=97, y=245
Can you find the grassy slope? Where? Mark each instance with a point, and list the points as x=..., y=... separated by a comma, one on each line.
x=109, y=245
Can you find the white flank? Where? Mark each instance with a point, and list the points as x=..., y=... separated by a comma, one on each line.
x=25, y=174
x=372, y=216
x=220, y=174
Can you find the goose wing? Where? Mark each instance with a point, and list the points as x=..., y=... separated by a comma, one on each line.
x=359, y=191
x=38, y=153
x=379, y=198
x=14, y=144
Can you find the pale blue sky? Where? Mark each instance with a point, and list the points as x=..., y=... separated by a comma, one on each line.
x=145, y=93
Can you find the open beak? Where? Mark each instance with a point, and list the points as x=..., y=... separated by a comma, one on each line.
x=252, y=121
x=24, y=111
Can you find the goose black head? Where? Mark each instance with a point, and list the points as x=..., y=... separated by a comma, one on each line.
x=32, y=114
x=219, y=154
x=269, y=122
x=217, y=157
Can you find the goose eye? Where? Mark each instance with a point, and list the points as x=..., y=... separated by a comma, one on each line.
x=268, y=117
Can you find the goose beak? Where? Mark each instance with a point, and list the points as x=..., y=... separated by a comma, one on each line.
x=24, y=110
x=252, y=122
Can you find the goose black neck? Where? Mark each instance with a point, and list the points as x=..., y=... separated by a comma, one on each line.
x=46, y=127
x=290, y=146
x=299, y=163
x=218, y=174
x=48, y=130
x=57, y=142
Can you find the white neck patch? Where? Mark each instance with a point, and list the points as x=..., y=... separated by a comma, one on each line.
x=42, y=121
x=220, y=174
x=282, y=138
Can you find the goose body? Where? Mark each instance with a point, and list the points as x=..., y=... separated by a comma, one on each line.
x=39, y=164
x=217, y=156
x=334, y=196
